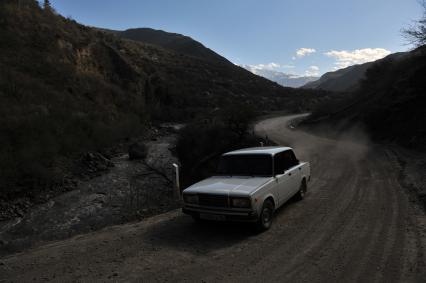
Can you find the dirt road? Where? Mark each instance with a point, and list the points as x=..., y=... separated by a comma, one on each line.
x=355, y=225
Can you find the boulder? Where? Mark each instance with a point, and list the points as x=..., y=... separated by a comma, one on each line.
x=96, y=162
x=137, y=150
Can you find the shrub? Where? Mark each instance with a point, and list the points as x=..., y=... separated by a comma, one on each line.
x=201, y=144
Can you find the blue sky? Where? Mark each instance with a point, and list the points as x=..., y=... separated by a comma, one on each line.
x=268, y=33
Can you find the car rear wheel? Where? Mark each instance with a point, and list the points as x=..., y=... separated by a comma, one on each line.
x=197, y=218
x=266, y=216
x=302, y=191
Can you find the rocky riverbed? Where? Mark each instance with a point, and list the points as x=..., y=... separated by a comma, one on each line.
x=125, y=190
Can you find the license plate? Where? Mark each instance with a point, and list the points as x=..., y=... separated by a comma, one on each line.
x=215, y=217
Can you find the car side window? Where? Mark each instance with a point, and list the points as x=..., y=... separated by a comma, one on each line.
x=284, y=161
x=289, y=159
x=279, y=163
x=293, y=159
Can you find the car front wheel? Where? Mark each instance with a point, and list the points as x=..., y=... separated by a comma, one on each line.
x=266, y=216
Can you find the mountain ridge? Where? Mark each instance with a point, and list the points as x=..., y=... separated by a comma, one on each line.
x=186, y=45
x=389, y=103
x=179, y=43
x=347, y=79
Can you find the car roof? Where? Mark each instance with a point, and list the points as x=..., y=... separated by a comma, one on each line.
x=271, y=150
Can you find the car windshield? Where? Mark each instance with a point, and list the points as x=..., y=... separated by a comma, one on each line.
x=245, y=165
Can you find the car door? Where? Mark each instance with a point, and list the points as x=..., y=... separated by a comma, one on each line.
x=282, y=178
x=293, y=170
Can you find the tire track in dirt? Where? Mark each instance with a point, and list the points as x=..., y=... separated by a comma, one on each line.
x=355, y=225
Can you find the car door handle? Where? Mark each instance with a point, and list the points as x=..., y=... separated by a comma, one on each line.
x=289, y=174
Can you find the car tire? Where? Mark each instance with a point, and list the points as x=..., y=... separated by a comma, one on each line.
x=300, y=195
x=197, y=218
x=266, y=216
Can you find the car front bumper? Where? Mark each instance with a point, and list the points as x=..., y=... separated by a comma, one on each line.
x=227, y=214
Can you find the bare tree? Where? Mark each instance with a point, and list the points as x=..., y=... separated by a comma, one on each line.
x=416, y=34
x=47, y=6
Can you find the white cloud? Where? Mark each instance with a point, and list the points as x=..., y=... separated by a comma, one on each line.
x=312, y=71
x=302, y=52
x=262, y=69
x=359, y=56
x=254, y=68
x=268, y=67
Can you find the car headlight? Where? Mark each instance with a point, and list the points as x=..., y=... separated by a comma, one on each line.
x=241, y=202
x=191, y=199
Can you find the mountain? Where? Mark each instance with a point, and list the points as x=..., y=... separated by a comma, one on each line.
x=66, y=88
x=346, y=79
x=287, y=80
x=178, y=43
x=182, y=44
x=389, y=103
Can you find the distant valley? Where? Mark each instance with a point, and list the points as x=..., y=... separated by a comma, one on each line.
x=284, y=79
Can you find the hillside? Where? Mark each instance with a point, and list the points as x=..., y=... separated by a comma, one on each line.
x=390, y=102
x=347, y=79
x=178, y=43
x=66, y=88
x=185, y=45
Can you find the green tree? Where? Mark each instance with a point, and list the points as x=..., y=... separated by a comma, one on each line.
x=416, y=34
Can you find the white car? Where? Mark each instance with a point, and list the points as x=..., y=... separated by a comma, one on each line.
x=249, y=186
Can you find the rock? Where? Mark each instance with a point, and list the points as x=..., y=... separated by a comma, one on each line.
x=95, y=162
x=137, y=150
x=102, y=167
x=19, y=212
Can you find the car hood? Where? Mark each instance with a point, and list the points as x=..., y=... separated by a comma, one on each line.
x=228, y=185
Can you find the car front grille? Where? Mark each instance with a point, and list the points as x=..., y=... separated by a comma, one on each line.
x=213, y=200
